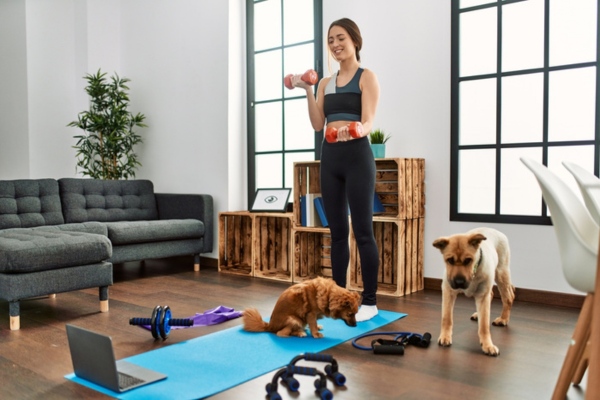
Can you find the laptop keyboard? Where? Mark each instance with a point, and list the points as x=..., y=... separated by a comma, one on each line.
x=126, y=381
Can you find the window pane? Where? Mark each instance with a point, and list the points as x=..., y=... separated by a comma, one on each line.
x=478, y=42
x=296, y=60
x=267, y=24
x=572, y=104
x=477, y=112
x=477, y=181
x=268, y=171
x=268, y=127
x=290, y=159
x=471, y=3
x=298, y=21
x=299, y=133
x=522, y=108
x=519, y=191
x=268, y=78
x=572, y=31
x=523, y=35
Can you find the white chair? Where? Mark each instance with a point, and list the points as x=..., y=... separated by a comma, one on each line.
x=577, y=236
x=589, y=185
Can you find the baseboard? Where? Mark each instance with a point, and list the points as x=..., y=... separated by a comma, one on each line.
x=528, y=295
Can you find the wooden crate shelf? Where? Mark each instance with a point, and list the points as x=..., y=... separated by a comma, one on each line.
x=400, y=245
x=272, y=245
x=276, y=246
x=235, y=242
x=312, y=253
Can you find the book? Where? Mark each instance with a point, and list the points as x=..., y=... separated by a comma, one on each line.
x=321, y=211
x=378, y=208
x=308, y=215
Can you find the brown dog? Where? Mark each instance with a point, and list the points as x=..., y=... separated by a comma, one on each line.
x=302, y=304
x=474, y=260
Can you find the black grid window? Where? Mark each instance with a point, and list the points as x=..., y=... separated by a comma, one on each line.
x=283, y=37
x=525, y=83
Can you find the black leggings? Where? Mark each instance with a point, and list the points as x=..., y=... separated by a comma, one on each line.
x=348, y=179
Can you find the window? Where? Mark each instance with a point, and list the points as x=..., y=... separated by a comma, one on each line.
x=524, y=83
x=284, y=37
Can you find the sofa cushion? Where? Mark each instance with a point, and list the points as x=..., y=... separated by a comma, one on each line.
x=26, y=203
x=98, y=228
x=29, y=250
x=121, y=233
x=107, y=200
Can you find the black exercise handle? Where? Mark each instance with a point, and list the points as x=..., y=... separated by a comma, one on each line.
x=294, y=369
x=140, y=321
x=386, y=349
x=318, y=357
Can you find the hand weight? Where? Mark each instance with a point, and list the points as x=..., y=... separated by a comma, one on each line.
x=311, y=77
x=355, y=129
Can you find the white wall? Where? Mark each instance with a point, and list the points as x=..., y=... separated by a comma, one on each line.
x=185, y=62
x=14, y=137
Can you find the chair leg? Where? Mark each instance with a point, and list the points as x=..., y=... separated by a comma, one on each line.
x=575, y=351
x=196, y=262
x=583, y=364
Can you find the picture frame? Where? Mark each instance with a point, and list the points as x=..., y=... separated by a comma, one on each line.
x=271, y=200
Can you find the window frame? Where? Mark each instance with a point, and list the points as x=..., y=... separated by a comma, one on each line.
x=250, y=53
x=498, y=146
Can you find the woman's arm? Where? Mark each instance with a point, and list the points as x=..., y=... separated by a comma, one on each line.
x=315, y=105
x=370, y=98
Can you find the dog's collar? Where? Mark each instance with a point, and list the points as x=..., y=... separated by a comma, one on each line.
x=476, y=266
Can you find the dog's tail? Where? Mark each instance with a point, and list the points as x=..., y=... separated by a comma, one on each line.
x=253, y=321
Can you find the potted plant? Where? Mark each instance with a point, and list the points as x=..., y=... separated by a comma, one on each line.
x=378, y=137
x=105, y=149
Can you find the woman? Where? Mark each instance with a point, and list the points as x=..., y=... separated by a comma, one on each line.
x=347, y=164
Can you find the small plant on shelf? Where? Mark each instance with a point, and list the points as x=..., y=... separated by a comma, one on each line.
x=378, y=136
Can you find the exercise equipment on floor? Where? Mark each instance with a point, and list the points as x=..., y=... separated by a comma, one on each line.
x=355, y=129
x=395, y=346
x=311, y=77
x=287, y=373
x=161, y=322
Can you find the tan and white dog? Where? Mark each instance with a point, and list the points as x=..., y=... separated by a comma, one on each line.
x=474, y=260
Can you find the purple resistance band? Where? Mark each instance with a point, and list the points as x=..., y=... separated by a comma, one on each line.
x=213, y=316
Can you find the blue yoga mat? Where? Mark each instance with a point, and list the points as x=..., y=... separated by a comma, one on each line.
x=210, y=364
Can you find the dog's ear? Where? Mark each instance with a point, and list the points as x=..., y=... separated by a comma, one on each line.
x=441, y=243
x=476, y=239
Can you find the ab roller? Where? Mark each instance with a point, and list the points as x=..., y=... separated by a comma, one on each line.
x=161, y=322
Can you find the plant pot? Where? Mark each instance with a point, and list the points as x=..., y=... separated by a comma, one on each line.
x=378, y=150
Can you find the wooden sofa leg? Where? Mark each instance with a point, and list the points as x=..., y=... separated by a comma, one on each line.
x=15, y=323
x=196, y=262
x=103, y=294
x=14, y=310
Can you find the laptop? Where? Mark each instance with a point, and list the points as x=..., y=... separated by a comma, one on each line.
x=94, y=360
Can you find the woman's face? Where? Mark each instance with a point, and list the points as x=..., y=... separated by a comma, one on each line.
x=341, y=45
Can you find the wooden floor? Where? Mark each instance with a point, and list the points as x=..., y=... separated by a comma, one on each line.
x=35, y=359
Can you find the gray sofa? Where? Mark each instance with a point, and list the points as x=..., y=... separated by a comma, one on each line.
x=66, y=234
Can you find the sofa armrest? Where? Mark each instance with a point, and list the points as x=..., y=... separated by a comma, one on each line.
x=182, y=206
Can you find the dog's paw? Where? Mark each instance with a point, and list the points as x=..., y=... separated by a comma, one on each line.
x=320, y=327
x=445, y=340
x=490, y=350
x=500, y=322
x=474, y=317
x=317, y=335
